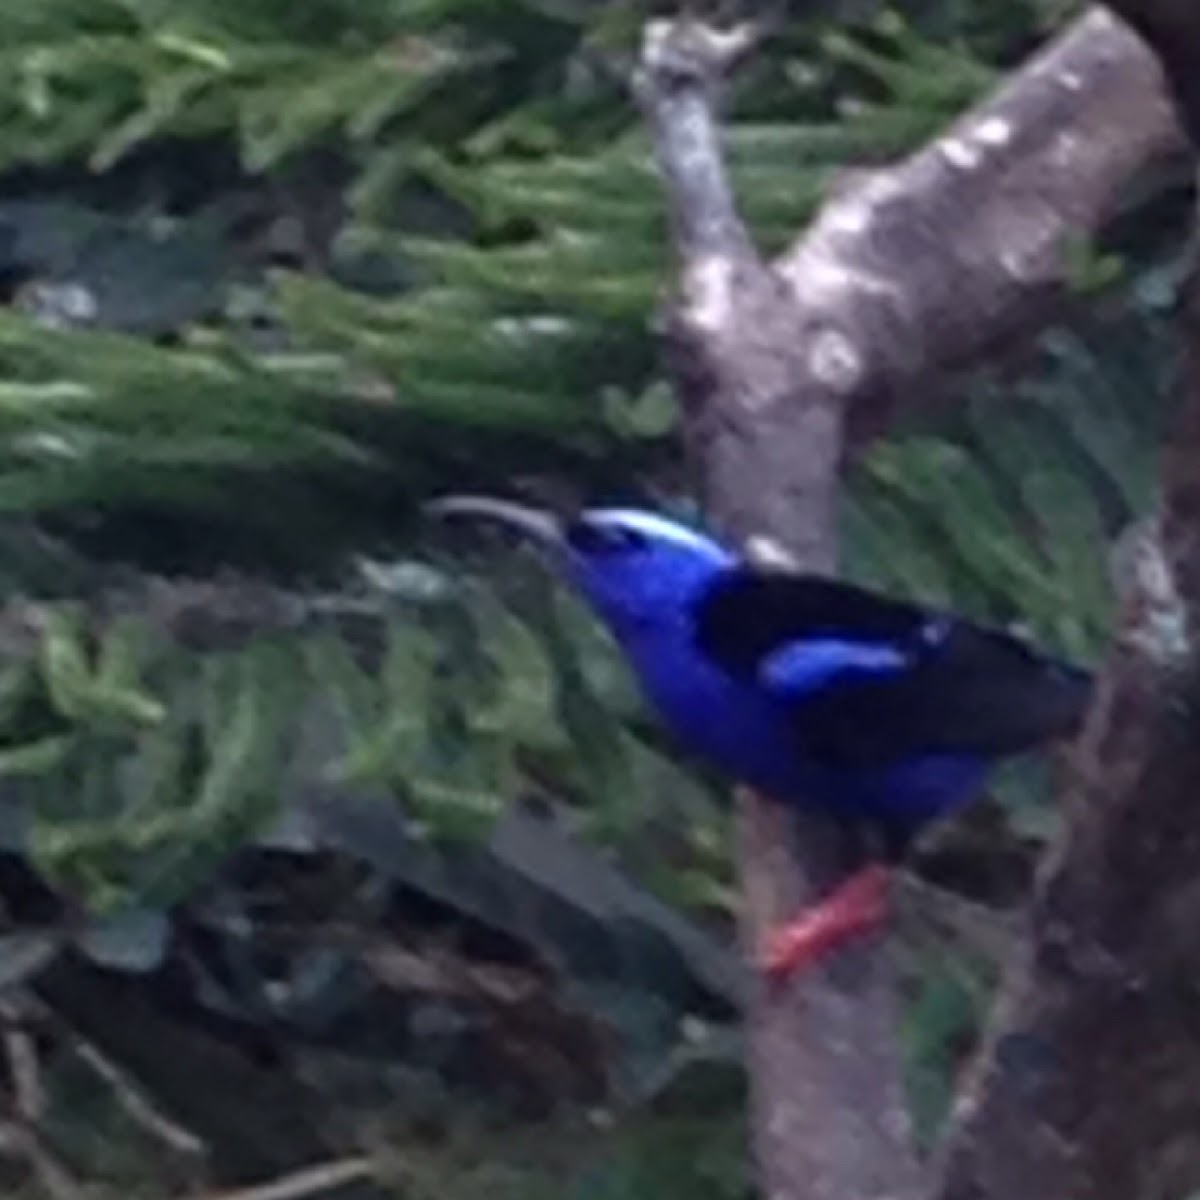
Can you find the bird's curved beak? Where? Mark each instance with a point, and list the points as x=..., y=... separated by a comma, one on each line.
x=542, y=528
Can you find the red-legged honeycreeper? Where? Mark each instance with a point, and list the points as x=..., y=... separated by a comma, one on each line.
x=811, y=691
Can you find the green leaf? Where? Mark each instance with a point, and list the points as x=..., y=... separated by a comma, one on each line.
x=64, y=663
x=36, y=758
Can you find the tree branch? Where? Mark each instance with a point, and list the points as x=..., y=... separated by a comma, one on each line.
x=1085, y=1085
x=930, y=265
x=829, y=1116
x=1172, y=30
x=920, y=269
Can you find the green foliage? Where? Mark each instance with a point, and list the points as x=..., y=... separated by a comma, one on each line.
x=96, y=81
x=534, y=326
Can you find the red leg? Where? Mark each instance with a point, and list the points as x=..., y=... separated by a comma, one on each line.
x=856, y=906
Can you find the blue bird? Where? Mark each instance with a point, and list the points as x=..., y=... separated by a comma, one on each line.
x=809, y=690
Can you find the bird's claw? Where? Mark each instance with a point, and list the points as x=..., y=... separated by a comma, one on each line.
x=856, y=907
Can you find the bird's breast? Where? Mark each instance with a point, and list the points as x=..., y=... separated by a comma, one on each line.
x=727, y=722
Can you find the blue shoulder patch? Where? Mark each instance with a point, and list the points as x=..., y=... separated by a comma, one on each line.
x=802, y=667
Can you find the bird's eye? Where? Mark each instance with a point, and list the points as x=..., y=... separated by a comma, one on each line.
x=592, y=537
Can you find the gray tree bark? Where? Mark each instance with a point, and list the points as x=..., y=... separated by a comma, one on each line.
x=1085, y=1086
x=911, y=273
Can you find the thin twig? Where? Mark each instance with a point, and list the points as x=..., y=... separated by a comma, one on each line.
x=23, y=1064
x=22, y=1131
x=24, y=1140
x=136, y=1105
x=309, y=1181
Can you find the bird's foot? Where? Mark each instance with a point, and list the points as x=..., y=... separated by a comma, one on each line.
x=855, y=907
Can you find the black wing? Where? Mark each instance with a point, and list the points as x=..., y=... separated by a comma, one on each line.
x=948, y=686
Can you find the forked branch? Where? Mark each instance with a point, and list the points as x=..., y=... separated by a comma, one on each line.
x=916, y=270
